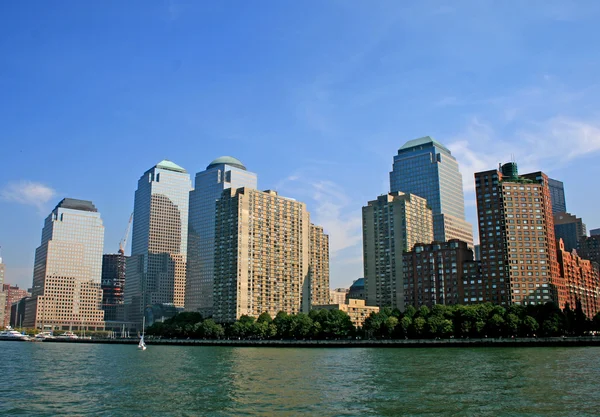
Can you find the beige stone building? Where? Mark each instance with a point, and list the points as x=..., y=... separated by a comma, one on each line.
x=337, y=296
x=268, y=257
x=66, y=291
x=356, y=309
x=392, y=224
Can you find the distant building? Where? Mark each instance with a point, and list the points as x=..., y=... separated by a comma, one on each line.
x=570, y=229
x=265, y=250
x=357, y=290
x=582, y=281
x=12, y=294
x=392, y=224
x=356, y=309
x=66, y=291
x=589, y=248
x=4, y=314
x=434, y=273
x=113, y=286
x=337, y=296
x=557, y=196
x=221, y=174
x=595, y=232
x=157, y=266
x=426, y=168
x=516, y=232
x=477, y=252
x=17, y=312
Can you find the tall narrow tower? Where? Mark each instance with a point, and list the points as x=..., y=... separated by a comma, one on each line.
x=156, y=269
x=221, y=174
x=67, y=270
x=426, y=168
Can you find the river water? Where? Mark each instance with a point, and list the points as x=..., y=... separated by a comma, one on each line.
x=118, y=380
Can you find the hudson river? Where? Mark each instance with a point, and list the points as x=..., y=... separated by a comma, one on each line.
x=118, y=380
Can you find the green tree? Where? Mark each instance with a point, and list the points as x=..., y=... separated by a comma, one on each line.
x=530, y=325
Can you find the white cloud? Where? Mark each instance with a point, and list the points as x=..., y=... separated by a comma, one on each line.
x=28, y=193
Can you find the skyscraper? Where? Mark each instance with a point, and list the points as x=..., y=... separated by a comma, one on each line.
x=221, y=174
x=426, y=168
x=570, y=229
x=265, y=257
x=392, y=224
x=557, y=195
x=66, y=290
x=113, y=286
x=156, y=268
x=516, y=230
x=2, y=294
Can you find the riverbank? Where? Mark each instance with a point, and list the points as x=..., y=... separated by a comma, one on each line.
x=410, y=343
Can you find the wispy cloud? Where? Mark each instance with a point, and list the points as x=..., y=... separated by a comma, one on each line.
x=28, y=193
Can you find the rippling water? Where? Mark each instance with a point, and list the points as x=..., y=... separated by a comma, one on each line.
x=81, y=379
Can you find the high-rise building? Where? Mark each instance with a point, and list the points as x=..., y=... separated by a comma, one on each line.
x=113, y=286
x=319, y=265
x=156, y=268
x=516, y=231
x=589, y=248
x=3, y=303
x=435, y=273
x=595, y=232
x=13, y=294
x=570, y=229
x=392, y=224
x=221, y=174
x=557, y=196
x=66, y=291
x=582, y=281
x=357, y=290
x=426, y=168
x=264, y=255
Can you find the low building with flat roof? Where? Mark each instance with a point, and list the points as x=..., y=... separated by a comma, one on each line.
x=356, y=309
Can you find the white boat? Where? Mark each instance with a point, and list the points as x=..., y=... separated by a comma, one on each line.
x=142, y=345
x=67, y=335
x=11, y=334
x=44, y=336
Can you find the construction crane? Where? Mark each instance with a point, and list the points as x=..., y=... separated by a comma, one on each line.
x=123, y=242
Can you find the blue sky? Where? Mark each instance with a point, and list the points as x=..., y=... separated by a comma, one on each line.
x=314, y=96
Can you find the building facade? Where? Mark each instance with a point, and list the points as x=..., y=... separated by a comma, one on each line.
x=263, y=255
x=582, y=281
x=516, y=231
x=557, y=196
x=392, y=224
x=589, y=248
x=319, y=265
x=4, y=314
x=113, y=286
x=356, y=309
x=595, y=232
x=434, y=273
x=569, y=228
x=157, y=266
x=337, y=296
x=223, y=173
x=12, y=294
x=426, y=168
x=66, y=291
x=357, y=290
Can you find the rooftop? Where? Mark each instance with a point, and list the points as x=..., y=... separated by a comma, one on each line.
x=74, y=204
x=227, y=160
x=170, y=166
x=424, y=141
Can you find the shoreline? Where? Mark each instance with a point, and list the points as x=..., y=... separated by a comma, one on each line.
x=407, y=343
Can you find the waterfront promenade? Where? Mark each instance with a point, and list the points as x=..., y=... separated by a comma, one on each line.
x=350, y=343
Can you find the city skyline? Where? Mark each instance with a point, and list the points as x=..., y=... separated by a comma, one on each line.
x=318, y=120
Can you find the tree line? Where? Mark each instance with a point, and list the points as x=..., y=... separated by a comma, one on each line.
x=456, y=321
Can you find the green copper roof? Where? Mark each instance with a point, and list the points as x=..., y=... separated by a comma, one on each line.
x=227, y=160
x=171, y=166
x=425, y=140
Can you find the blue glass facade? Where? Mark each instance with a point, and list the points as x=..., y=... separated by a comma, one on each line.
x=557, y=195
x=426, y=168
x=221, y=174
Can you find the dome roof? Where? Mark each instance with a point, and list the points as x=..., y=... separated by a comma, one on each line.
x=227, y=160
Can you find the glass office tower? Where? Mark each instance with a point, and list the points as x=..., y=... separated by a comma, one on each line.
x=221, y=174
x=557, y=194
x=66, y=290
x=426, y=168
x=156, y=269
